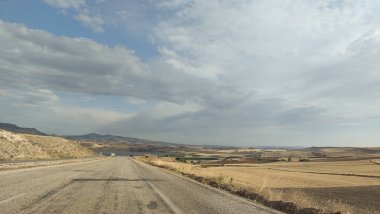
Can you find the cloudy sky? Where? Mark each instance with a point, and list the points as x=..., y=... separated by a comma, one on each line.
x=241, y=72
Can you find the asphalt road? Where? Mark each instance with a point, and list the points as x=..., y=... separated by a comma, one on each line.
x=117, y=185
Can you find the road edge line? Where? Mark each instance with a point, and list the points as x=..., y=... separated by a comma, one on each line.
x=216, y=189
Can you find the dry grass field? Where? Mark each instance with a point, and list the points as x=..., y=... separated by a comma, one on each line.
x=336, y=186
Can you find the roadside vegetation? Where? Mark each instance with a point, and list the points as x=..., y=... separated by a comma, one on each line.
x=291, y=187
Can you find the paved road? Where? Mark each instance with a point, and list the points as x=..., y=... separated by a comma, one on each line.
x=117, y=185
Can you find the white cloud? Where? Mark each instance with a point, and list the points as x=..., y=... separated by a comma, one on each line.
x=96, y=15
x=94, y=22
x=37, y=59
x=66, y=4
x=43, y=109
x=31, y=98
x=318, y=61
x=288, y=50
x=82, y=13
x=99, y=117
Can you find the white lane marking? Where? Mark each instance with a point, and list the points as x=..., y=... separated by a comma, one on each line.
x=228, y=194
x=12, y=198
x=170, y=204
x=173, y=207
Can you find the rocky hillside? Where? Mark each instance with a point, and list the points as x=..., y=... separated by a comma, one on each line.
x=26, y=147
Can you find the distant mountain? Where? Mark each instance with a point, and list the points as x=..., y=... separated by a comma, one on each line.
x=206, y=146
x=115, y=138
x=20, y=130
x=96, y=137
x=281, y=147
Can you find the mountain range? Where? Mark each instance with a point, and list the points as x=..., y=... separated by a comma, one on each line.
x=95, y=137
x=20, y=130
x=86, y=137
x=115, y=138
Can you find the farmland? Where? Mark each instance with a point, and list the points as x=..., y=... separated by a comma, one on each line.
x=331, y=180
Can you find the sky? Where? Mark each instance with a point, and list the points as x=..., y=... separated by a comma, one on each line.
x=237, y=73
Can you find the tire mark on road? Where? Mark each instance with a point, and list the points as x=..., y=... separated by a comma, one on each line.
x=41, y=201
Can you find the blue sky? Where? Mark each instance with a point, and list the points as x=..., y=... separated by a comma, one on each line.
x=248, y=73
x=38, y=14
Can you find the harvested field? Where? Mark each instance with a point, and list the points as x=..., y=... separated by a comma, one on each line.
x=364, y=198
x=347, y=186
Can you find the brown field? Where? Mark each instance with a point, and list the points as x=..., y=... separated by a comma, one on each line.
x=351, y=186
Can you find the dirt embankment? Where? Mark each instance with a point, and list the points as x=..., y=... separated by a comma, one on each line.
x=33, y=147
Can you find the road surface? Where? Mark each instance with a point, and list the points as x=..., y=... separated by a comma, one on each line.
x=116, y=185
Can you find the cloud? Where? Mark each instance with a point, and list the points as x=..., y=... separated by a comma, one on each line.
x=81, y=13
x=30, y=108
x=94, y=22
x=96, y=15
x=290, y=65
x=299, y=52
x=66, y=4
x=33, y=98
x=242, y=72
x=37, y=59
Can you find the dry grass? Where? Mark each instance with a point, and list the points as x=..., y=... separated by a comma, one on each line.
x=25, y=147
x=290, y=182
x=13, y=146
x=58, y=147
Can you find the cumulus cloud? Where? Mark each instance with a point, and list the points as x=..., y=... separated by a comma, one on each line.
x=83, y=66
x=285, y=64
x=300, y=52
x=35, y=63
x=247, y=72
